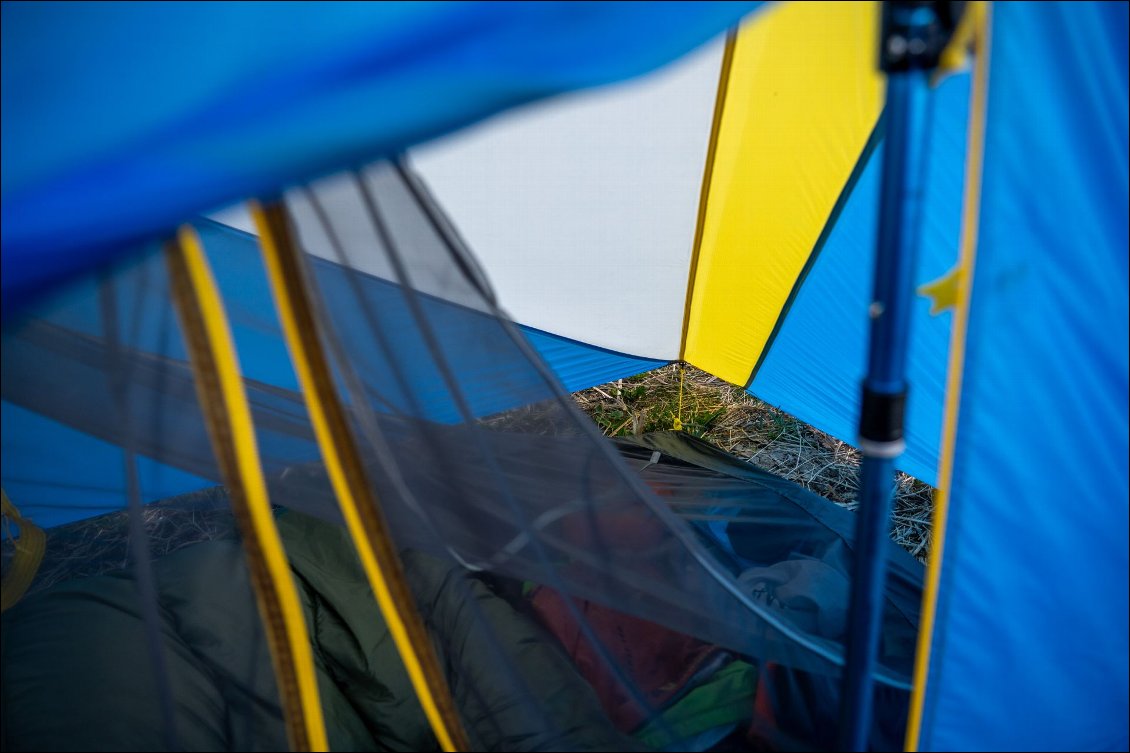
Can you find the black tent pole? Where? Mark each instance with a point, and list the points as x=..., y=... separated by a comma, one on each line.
x=912, y=38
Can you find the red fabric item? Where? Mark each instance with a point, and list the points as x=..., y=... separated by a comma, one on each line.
x=658, y=661
x=763, y=730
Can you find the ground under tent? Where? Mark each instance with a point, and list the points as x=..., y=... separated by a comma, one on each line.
x=72, y=679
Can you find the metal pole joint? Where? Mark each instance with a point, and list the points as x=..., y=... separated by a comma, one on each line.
x=915, y=32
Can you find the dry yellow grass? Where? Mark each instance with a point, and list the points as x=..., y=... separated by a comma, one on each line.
x=731, y=418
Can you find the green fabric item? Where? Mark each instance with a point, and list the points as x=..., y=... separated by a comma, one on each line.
x=725, y=700
x=514, y=688
x=76, y=672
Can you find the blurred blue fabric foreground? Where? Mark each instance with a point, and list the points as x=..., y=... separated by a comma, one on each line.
x=123, y=119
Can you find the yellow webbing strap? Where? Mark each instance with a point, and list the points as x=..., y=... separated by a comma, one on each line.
x=964, y=284
x=29, y=549
x=227, y=414
x=359, y=505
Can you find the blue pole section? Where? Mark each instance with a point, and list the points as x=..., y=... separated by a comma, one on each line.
x=907, y=28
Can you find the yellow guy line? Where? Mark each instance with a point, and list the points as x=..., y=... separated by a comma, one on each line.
x=358, y=504
x=956, y=365
x=225, y=405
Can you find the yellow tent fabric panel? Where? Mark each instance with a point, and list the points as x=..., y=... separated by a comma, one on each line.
x=802, y=97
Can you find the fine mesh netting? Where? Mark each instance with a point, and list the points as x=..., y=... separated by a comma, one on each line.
x=580, y=593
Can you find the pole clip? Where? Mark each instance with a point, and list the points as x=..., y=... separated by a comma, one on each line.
x=916, y=32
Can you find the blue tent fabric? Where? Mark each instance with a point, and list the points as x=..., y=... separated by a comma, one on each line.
x=1031, y=650
x=180, y=108
x=94, y=482
x=815, y=366
x=51, y=404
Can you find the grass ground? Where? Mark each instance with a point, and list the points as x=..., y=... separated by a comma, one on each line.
x=730, y=418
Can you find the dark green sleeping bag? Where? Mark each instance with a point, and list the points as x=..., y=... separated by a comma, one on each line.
x=76, y=673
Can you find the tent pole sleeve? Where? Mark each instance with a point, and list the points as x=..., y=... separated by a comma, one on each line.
x=980, y=35
x=359, y=505
x=912, y=39
x=227, y=414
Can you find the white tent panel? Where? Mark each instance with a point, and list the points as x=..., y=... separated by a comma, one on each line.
x=583, y=210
